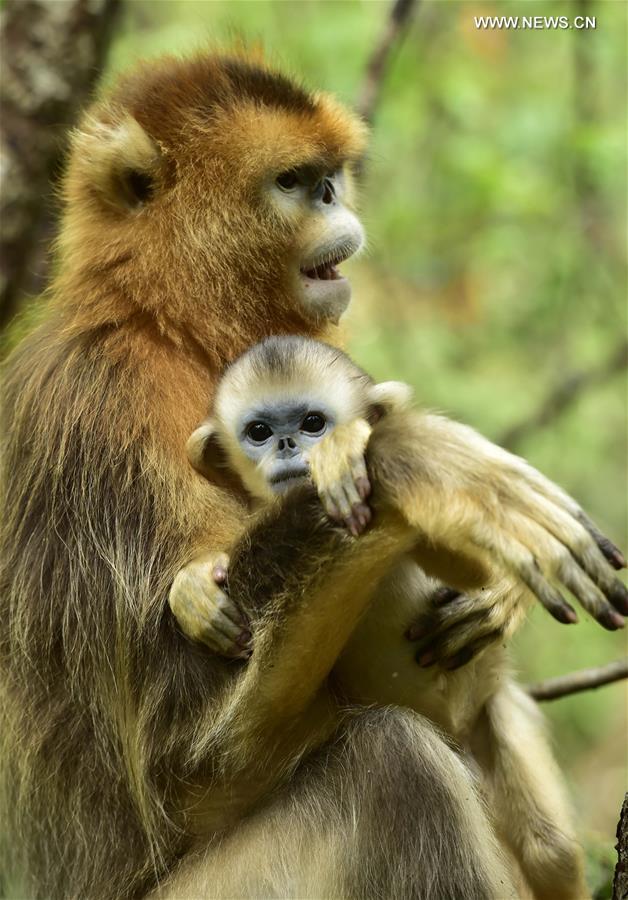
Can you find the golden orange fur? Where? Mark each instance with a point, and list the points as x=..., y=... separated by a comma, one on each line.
x=101, y=506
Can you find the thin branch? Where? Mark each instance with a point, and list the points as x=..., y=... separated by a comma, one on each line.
x=400, y=14
x=564, y=395
x=584, y=680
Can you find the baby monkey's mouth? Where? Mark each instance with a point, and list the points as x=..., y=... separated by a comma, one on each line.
x=283, y=480
x=290, y=475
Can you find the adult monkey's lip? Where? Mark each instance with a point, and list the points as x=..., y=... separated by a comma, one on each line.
x=323, y=266
x=325, y=293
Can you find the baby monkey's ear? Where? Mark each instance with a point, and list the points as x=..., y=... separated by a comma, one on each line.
x=387, y=397
x=208, y=457
x=205, y=451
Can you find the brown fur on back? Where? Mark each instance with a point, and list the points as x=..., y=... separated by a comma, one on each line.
x=102, y=698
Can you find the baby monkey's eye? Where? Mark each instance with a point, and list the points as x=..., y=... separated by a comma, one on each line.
x=313, y=423
x=259, y=432
x=287, y=180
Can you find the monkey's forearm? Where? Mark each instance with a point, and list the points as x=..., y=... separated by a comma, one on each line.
x=473, y=504
x=305, y=584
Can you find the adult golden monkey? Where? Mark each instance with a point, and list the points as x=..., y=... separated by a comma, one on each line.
x=202, y=198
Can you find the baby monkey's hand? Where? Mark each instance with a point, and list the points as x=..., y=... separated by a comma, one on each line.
x=339, y=472
x=205, y=612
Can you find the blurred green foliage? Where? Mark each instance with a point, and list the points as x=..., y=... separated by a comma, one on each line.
x=495, y=202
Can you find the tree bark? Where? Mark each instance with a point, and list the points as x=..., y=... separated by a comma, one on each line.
x=51, y=54
x=620, y=881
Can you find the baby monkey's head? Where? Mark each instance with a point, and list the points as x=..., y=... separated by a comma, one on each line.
x=275, y=402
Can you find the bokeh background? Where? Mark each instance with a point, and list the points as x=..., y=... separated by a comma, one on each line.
x=495, y=277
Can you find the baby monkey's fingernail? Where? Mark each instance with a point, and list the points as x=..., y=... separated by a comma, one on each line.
x=363, y=486
x=244, y=638
x=219, y=574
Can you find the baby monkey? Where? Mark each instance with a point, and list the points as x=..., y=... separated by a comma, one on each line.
x=273, y=408
x=275, y=403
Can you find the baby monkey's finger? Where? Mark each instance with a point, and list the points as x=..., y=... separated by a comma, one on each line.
x=360, y=477
x=359, y=518
x=220, y=635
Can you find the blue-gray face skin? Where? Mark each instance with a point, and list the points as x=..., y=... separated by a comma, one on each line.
x=281, y=436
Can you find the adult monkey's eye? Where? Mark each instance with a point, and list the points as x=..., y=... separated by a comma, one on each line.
x=287, y=180
x=313, y=423
x=259, y=432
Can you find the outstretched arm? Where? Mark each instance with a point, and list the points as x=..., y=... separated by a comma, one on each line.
x=463, y=493
x=469, y=498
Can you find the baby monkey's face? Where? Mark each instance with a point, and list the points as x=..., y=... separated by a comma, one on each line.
x=277, y=437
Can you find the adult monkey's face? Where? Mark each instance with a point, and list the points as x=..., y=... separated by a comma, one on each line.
x=326, y=233
x=214, y=187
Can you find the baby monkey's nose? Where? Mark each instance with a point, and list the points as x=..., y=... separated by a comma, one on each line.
x=286, y=444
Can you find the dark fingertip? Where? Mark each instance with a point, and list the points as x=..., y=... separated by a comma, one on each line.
x=426, y=658
x=415, y=632
x=612, y=553
x=610, y=619
x=244, y=638
x=460, y=659
x=618, y=595
x=445, y=595
x=565, y=613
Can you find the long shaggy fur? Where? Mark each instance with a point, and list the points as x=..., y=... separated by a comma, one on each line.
x=101, y=697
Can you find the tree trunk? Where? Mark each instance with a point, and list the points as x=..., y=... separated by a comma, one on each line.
x=51, y=54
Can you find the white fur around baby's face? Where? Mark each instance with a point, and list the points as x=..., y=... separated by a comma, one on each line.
x=273, y=406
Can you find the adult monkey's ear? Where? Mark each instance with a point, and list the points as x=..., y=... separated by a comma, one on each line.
x=387, y=397
x=124, y=165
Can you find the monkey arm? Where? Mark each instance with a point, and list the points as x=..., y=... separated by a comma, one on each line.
x=464, y=508
x=471, y=497
x=304, y=584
